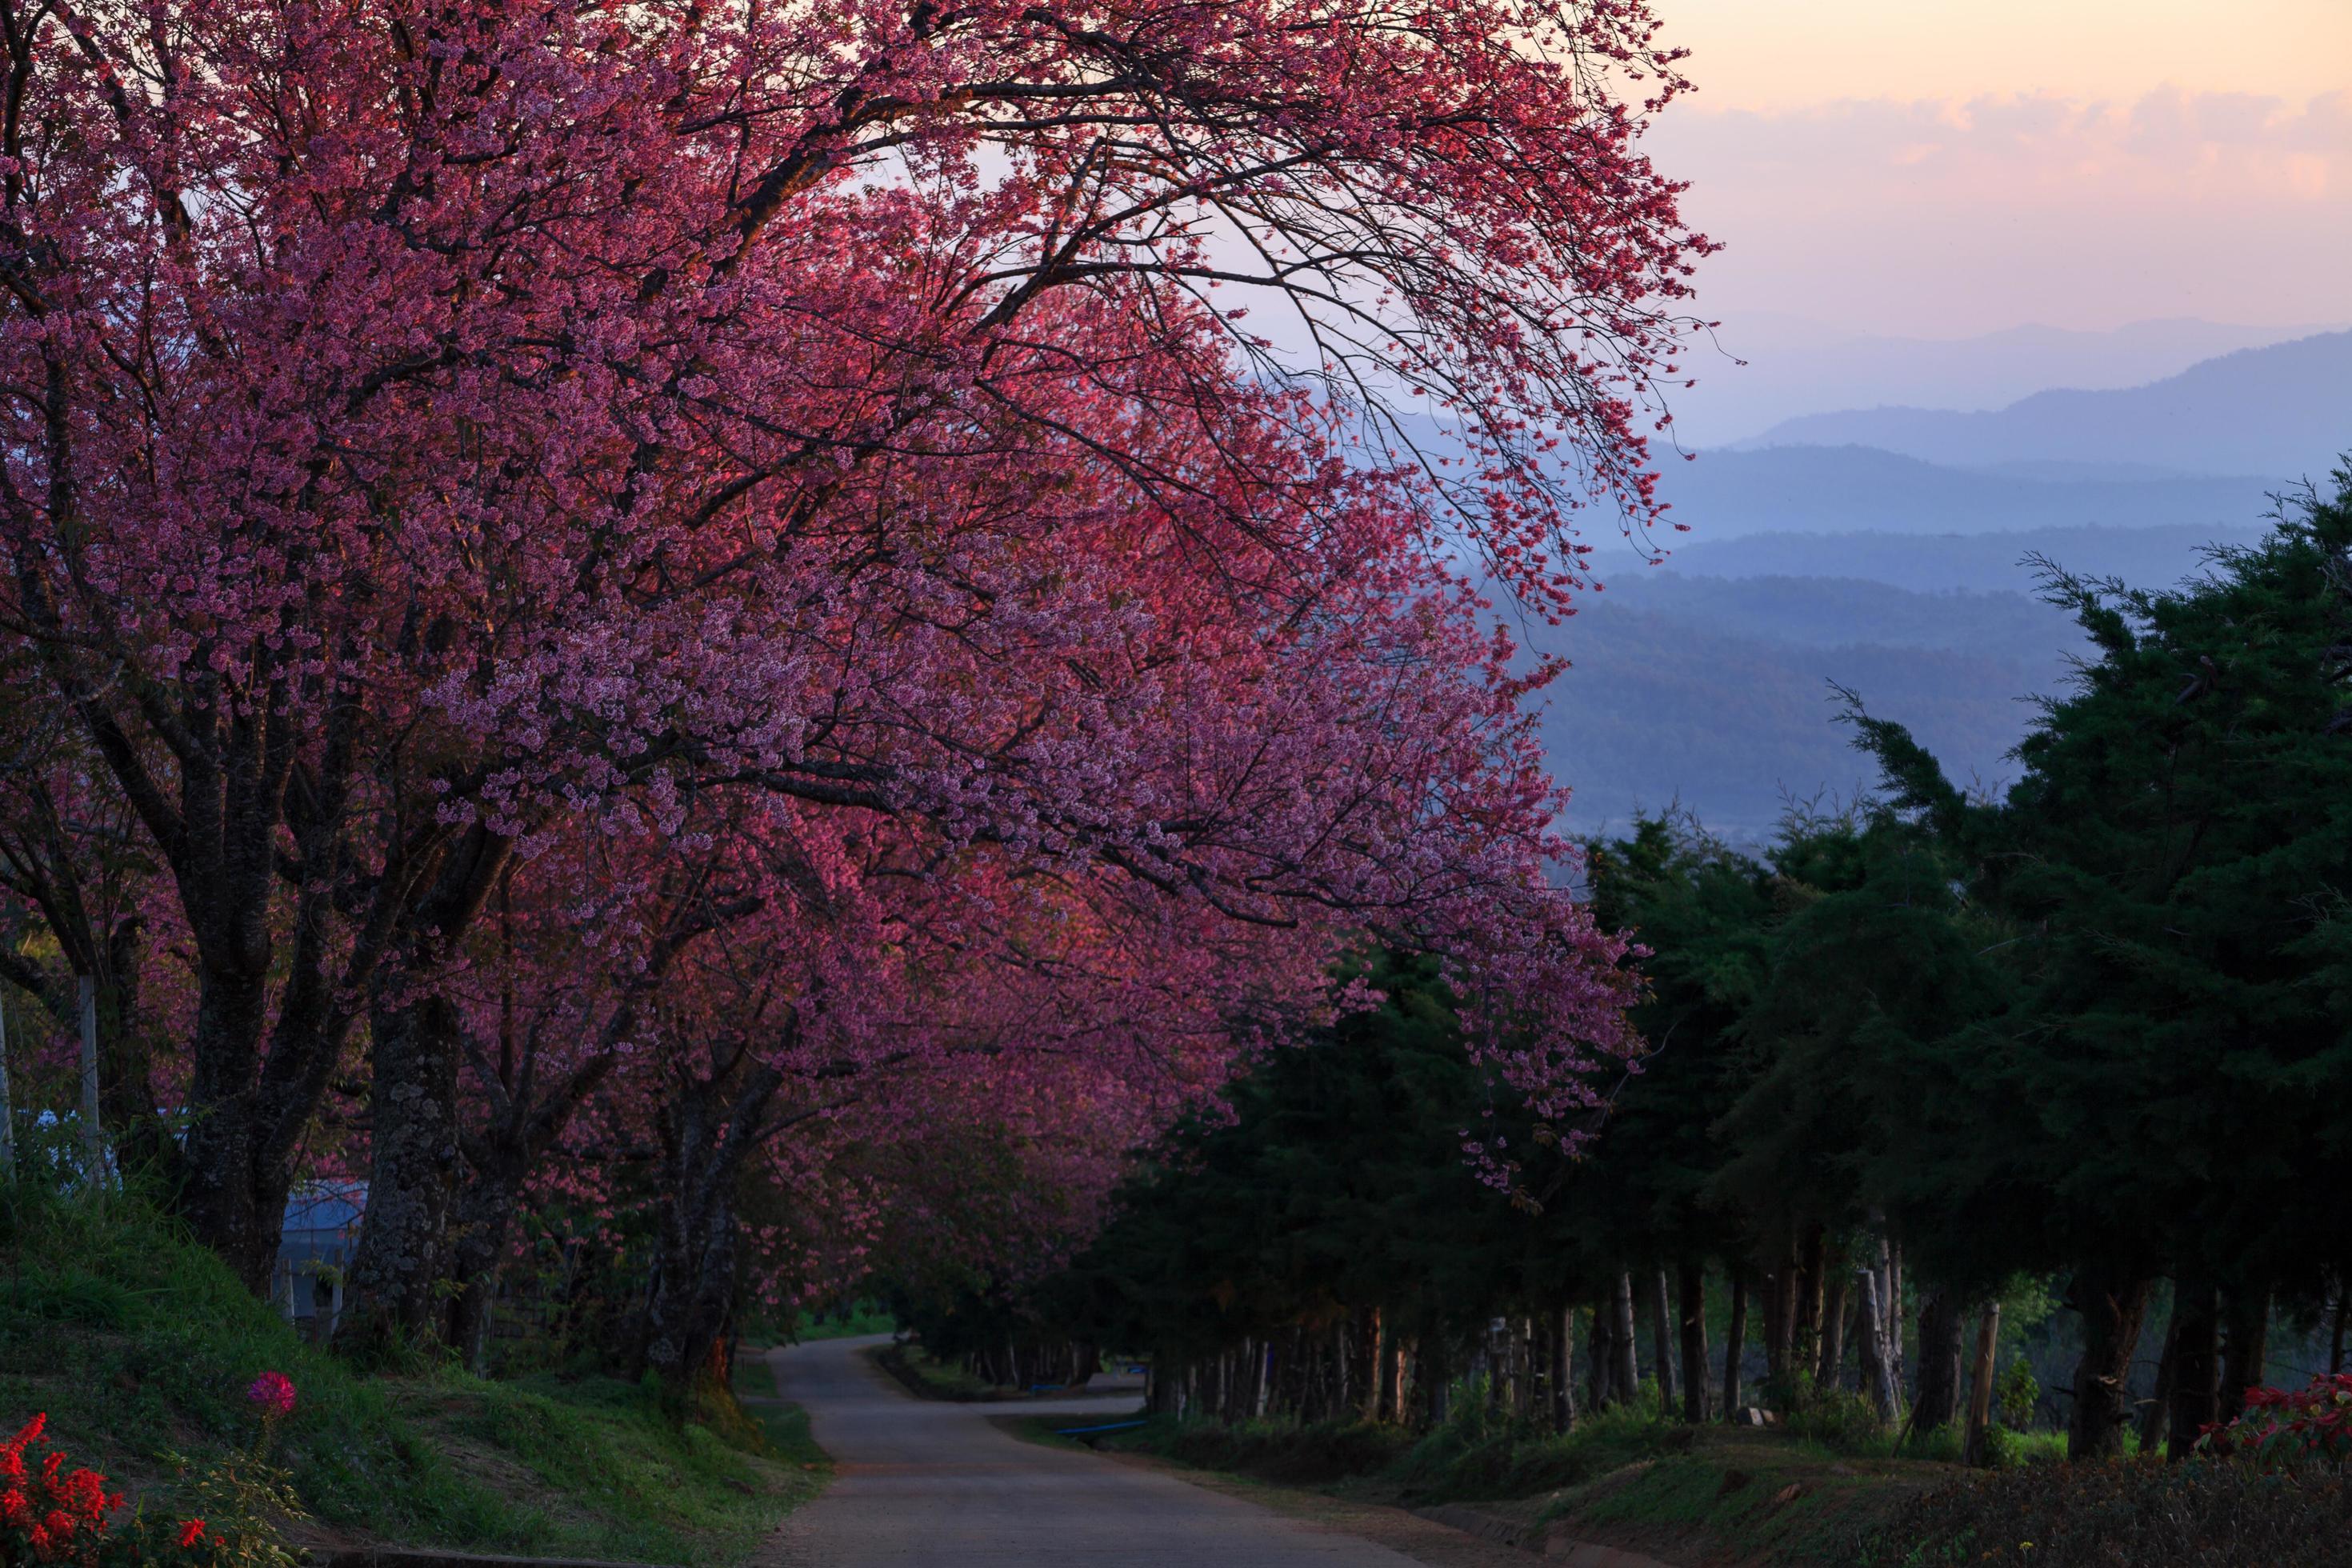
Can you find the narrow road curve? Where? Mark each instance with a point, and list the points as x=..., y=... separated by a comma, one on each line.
x=921, y=1482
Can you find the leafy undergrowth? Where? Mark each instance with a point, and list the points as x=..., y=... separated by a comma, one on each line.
x=139, y=1345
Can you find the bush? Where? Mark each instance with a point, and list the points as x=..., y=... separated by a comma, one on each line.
x=2311, y=1424
x=63, y=1517
x=1841, y=1422
x=2016, y=1396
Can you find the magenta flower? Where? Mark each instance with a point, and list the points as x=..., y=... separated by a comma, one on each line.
x=274, y=1392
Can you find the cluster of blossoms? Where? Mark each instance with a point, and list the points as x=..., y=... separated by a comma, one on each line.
x=2283, y=1426
x=50, y=1514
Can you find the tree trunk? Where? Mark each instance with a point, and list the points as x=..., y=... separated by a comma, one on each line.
x=1973, y=1452
x=1388, y=1375
x=413, y=1139
x=478, y=1238
x=1877, y=1371
x=1735, y=1341
x=1693, y=1304
x=1805, y=1339
x=1830, y=1373
x=2156, y=1414
x=1780, y=1316
x=2245, y=1347
x=705, y=1136
x=1661, y=1352
x=8, y=1106
x=93, y=1131
x=2111, y=1301
x=1890, y=1303
x=232, y=1195
x=1431, y=1378
x=1600, y=1354
x=403, y=1235
x=2196, y=1364
x=1523, y=1369
x=2336, y=1340
x=1942, y=1329
x=1563, y=1370
x=1624, y=1373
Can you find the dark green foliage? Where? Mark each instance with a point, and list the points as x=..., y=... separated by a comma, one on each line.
x=2174, y=862
x=1335, y=1179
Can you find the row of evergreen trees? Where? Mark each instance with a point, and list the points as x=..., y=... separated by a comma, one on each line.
x=2093, y=1029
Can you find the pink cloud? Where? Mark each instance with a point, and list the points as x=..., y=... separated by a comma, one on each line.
x=2000, y=209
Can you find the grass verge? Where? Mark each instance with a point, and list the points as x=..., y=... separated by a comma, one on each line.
x=928, y=1379
x=139, y=1344
x=1623, y=1478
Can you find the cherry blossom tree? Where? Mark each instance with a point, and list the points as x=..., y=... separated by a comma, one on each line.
x=438, y=430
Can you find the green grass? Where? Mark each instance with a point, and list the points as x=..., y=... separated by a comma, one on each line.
x=1758, y=1497
x=1625, y=1475
x=139, y=1344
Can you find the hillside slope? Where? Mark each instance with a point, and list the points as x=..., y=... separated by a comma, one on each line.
x=139, y=1346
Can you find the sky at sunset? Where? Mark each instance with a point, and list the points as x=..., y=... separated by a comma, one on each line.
x=1939, y=168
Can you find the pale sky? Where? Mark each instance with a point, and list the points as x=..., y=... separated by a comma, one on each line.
x=1944, y=167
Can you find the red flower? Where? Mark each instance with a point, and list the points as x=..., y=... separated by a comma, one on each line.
x=274, y=1392
x=190, y=1532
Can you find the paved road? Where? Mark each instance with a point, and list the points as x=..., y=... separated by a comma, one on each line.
x=922, y=1482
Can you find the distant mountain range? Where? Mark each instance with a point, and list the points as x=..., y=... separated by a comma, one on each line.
x=2283, y=413
x=1901, y=551
x=1857, y=489
x=1793, y=366
x=1943, y=564
x=1715, y=696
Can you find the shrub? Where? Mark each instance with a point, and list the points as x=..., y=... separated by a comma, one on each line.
x=1843, y=1421
x=2287, y=1429
x=62, y=1518
x=2016, y=1396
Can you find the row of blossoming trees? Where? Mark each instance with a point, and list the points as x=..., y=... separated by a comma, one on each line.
x=603, y=597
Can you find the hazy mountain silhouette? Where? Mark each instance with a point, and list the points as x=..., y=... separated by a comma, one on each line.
x=1854, y=489
x=2284, y=413
x=1934, y=564
x=1794, y=366
x=1716, y=695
